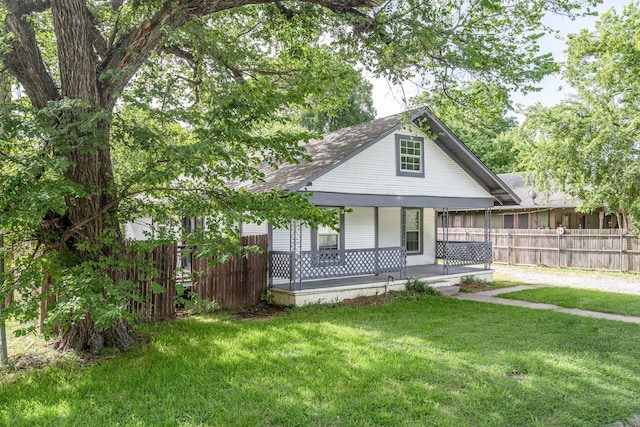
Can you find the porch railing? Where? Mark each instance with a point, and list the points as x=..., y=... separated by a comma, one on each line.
x=460, y=254
x=328, y=264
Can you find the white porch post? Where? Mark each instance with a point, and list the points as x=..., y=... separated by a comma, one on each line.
x=295, y=246
x=445, y=240
x=487, y=238
x=376, y=239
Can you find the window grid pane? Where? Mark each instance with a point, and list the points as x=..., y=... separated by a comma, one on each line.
x=413, y=241
x=410, y=155
x=327, y=242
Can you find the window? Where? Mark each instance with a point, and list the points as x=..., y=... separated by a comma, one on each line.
x=507, y=221
x=328, y=245
x=523, y=221
x=324, y=238
x=469, y=221
x=413, y=230
x=328, y=238
x=409, y=156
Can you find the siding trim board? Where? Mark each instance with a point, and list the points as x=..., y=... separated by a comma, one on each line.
x=321, y=198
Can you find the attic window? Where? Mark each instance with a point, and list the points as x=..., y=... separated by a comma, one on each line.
x=409, y=156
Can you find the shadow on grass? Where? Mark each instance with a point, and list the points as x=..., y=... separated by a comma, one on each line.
x=435, y=361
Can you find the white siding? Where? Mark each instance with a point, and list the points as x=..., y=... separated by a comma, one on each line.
x=280, y=239
x=138, y=230
x=373, y=171
x=359, y=228
x=389, y=227
x=250, y=229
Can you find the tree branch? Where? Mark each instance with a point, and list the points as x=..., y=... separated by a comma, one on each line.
x=27, y=7
x=180, y=53
x=99, y=43
x=24, y=61
x=129, y=53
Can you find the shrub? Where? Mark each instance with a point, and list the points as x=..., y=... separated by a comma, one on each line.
x=195, y=305
x=472, y=280
x=417, y=285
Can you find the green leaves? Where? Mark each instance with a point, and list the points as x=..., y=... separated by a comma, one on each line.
x=190, y=100
x=477, y=114
x=587, y=145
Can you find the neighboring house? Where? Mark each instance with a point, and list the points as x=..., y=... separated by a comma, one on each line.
x=536, y=210
x=394, y=178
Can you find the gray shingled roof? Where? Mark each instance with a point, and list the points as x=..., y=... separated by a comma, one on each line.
x=338, y=146
x=334, y=148
x=516, y=182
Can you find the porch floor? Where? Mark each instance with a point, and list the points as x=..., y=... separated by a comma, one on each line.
x=425, y=272
x=334, y=290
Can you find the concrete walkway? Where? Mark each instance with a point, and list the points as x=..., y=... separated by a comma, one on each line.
x=601, y=281
x=490, y=297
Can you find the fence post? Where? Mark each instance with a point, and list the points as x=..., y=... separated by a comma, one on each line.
x=508, y=247
x=558, y=255
x=621, y=250
x=4, y=358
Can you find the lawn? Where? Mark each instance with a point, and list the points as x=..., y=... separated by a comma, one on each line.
x=412, y=361
x=604, y=302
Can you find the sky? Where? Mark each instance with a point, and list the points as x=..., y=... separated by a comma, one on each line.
x=387, y=99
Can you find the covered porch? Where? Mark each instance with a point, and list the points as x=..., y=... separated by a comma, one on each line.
x=338, y=289
x=305, y=274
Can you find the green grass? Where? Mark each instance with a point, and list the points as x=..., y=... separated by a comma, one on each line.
x=604, y=302
x=416, y=360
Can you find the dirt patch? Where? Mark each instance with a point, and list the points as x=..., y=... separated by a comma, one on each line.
x=475, y=287
x=265, y=311
x=370, y=300
x=260, y=311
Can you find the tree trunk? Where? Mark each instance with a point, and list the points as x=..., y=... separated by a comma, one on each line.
x=92, y=218
x=84, y=335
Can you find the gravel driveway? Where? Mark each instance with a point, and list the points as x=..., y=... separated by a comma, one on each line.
x=626, y=283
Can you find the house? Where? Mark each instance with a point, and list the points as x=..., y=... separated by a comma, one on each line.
x=393, y=175
x=536, y=210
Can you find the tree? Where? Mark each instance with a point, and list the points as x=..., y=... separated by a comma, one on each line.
x=357, y=108
x=152, y=107
x=477, y=114
x=587, y=145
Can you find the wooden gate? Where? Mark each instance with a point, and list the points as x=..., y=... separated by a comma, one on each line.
x=237, y=283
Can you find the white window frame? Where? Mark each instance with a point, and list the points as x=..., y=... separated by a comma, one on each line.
x=324, y=230
x=417, y=142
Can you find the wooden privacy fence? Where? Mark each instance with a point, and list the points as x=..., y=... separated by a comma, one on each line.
x=604, y=249
x=156, y=305
x=237, y=283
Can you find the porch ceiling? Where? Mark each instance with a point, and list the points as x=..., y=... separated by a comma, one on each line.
x=376, y=200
